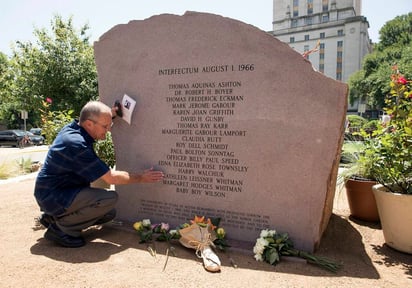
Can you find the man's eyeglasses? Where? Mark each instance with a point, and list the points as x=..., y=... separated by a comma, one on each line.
x=106, y=127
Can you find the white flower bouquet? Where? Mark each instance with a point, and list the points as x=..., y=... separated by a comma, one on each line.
x=270, y=246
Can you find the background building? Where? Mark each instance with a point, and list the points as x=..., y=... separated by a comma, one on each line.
x=335, y=27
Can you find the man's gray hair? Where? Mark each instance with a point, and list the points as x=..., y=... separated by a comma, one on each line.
x=93, y=110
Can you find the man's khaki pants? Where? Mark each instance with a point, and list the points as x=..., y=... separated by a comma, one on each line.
x=90, y=205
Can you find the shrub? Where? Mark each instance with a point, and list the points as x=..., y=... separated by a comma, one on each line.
x=392, y=155
x=53, y=122
x=370, y=126
x=105, y=150
x=356, y=121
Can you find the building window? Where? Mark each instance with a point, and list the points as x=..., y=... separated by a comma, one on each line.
x=322, y=35
x=340, y=32
x=325, y=4
x=310, y=7
x=306, y=49
x=321, y=56
x=322, y=68
x=308, y=20
x=325, y=18
x=307, y=37
x=292, y=39
x=294, y=23
x=339, y=61
x=339, y=76
x=322, y=53
x=295, y=8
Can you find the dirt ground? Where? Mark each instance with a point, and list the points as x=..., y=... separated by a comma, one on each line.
x=114, y=258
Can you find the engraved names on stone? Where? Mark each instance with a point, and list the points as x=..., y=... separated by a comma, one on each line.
x=233, y=219
x=201, y=160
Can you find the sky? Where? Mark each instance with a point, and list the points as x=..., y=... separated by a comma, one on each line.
x=19, y=18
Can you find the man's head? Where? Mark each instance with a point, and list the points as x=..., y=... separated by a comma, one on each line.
x=96, y=119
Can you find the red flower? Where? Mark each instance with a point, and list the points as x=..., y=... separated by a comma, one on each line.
x=402, y=80
x=49, y=100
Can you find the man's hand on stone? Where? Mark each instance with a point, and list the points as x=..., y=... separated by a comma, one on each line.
x=151, y=175
x=117, y=109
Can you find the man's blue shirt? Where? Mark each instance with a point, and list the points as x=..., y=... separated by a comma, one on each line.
x=71, y=164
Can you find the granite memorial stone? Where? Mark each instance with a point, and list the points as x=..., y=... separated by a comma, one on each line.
x=242, y=125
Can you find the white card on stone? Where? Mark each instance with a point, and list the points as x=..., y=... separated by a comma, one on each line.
x=128, y=105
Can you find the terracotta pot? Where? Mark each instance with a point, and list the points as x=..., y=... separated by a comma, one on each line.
x=395, y=211
x=361, y=200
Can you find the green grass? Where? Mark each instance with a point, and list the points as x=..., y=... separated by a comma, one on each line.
x=350, y=152
x=9, y=169
x=352, y=147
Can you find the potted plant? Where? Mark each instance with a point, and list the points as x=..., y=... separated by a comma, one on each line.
x=358, y=180
x=392, y=167
x=105, y=151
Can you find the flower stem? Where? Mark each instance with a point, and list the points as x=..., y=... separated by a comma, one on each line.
x=310, y=258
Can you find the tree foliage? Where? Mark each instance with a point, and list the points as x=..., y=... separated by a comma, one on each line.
x=8, y=114
x=3, y=63
x=397, y=32
x=59, y=66
x=53, y=121
x=371, y=83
